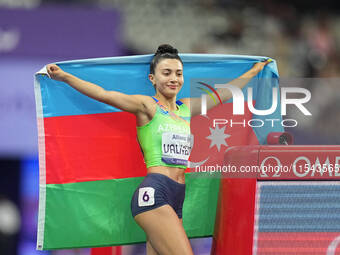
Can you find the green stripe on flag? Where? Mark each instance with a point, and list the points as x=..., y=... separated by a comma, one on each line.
x=97, y=213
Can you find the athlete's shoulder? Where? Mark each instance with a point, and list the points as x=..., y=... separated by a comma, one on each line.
x=145, y=100
x=142, y=97
x=148, y=103
x=185, y=101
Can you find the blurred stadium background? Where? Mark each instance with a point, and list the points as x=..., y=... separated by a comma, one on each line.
x=303, y=36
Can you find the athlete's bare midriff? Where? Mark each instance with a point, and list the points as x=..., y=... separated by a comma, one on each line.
x=174, y=173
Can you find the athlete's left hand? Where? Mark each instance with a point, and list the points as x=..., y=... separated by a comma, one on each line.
x=260, y=65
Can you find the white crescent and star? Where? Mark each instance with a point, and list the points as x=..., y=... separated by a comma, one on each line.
x=217, y=137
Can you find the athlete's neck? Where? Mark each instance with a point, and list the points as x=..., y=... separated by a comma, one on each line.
x=169, y=103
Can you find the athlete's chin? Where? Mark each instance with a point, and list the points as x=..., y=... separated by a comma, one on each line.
x=172, y=93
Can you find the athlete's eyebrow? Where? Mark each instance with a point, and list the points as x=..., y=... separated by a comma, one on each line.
x=168, y=69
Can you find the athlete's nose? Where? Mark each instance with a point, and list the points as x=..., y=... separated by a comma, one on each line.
x=173, y=78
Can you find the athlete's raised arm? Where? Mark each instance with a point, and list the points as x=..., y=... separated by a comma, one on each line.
x=225, y=94
x=129, y=103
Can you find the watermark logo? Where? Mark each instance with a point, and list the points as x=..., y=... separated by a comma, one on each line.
x=238, y=100
x=252, y=113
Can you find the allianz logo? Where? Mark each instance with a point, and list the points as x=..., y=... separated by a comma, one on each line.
x=9, y=39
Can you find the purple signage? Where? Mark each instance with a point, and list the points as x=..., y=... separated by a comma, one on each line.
x=67, y=33
x=30, y=39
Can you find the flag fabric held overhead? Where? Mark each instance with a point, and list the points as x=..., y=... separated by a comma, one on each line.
x=89, y=159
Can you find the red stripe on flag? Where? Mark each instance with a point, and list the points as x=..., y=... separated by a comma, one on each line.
x=92, y=147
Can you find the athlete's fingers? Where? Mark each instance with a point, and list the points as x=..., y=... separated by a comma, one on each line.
x=52, y=67
x=267, y=61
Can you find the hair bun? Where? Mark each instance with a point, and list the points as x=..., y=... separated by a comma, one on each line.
x=166, y=48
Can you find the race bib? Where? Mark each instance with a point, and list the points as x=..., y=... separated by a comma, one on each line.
x=176, y=148
x=146, y=196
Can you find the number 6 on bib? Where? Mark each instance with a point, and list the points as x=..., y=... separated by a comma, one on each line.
x=146, y=196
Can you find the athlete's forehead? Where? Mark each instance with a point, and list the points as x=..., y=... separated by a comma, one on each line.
x=170, y=64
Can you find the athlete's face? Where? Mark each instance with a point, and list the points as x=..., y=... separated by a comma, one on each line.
x=168, y=77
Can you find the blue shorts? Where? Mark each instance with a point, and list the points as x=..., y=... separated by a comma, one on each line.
x=157, y=190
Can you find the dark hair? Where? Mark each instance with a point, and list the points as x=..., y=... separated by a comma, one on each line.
x=163, y=51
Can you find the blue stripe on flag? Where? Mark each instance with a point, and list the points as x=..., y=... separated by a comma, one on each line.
x=129, y=75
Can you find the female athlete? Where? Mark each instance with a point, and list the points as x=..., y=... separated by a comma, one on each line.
x=162, y=123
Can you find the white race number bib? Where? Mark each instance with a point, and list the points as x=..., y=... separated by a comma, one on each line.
x=176, y=148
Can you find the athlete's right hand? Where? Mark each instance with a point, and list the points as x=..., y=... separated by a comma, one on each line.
x=55, y=72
